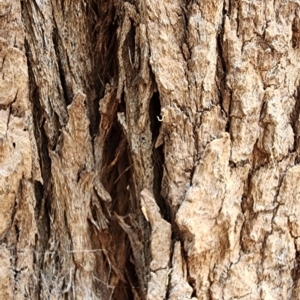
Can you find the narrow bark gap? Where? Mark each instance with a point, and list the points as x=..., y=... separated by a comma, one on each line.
x=222, y=70
x=296, y=32
x=41, y=190
x=157, y=154
x=41, y=212
x=94, y=115
x=295, y=123
x=13, y=260
x=295, y=272
x=67, y=93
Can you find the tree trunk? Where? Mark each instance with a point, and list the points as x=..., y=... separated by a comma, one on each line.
x=149, y=149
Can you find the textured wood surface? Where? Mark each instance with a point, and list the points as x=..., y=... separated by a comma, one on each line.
x=149, y=149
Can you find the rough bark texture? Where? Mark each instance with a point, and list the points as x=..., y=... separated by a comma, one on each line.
x=149, y=149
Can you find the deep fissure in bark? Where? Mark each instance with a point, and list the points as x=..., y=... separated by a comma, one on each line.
x=116, y=178
x=116, y=171
x=42, y=191
x=223, y=92
x=295, y=122
x=67, y=91
x=157, y=152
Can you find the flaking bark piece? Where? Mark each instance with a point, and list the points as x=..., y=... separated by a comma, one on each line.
x=160, y=247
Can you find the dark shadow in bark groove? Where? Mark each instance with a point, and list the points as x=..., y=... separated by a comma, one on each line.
x=116, y=178
x=67, y=91
x=221, y=72
x=295, y=123
x=41, y=190
x=295, y=272
x=116, y=173
x=157, y=153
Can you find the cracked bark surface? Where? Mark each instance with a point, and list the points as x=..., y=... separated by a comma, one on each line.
x=149, y=149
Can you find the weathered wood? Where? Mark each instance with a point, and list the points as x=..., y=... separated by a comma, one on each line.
x=149, y=149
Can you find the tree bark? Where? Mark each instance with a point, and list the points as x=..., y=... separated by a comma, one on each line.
x=149, y=149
